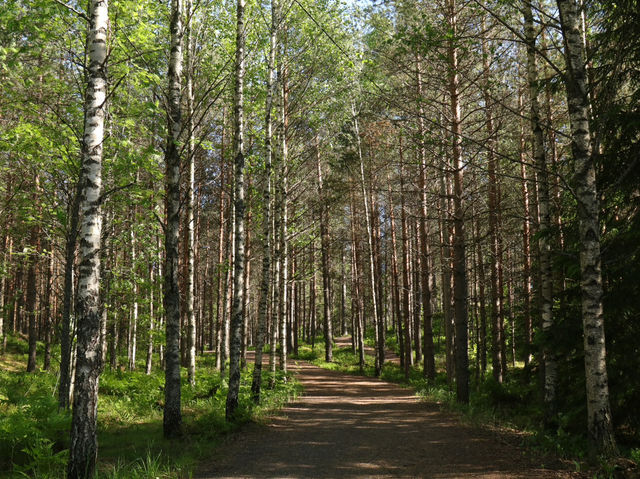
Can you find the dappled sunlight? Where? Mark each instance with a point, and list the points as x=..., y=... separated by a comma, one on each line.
x=355, y=427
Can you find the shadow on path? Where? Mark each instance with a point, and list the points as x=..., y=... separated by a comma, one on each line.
x=355, y=427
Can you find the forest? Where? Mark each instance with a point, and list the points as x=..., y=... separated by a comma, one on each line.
x=195, y=193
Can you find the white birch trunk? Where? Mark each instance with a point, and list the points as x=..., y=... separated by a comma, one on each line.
x=600, y=426
x=83, y=449
x=237, y=318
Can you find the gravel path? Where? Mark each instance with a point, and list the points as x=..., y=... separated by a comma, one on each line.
x=355, y=427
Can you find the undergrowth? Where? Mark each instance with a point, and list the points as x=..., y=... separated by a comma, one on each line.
x=34, y=434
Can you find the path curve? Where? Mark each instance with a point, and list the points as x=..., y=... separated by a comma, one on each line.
x=356, y=427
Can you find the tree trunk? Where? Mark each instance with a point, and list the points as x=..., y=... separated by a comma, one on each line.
x=600, y=425
x=190, y=246
x=172, y=421
x=83, y=449
x=237, y=318
x=265, y=282
x=546, y=290
x=326, y=272
x=379, y=351
x=459, y=262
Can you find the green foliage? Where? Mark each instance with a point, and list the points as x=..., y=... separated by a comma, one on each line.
x=34, y=434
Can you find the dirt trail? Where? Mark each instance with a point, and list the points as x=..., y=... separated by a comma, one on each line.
x=355, y=427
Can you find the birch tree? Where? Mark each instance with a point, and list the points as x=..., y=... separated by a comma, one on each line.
x=599, y=422
x=237, y=318
x=83, y=449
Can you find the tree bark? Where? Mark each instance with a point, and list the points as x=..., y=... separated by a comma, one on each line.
x=599, y=422
x=265, y=282
x=172, y=421
x=237, y=318
x=83, y=449
x=326, y=273
x=546, y=289
x=459, y=261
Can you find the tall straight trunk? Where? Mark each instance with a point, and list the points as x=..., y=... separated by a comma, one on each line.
x=326, y=272
x=526, y=243
x=599, y=422
x=497, y=309
x=67, y=299
x=265, y=282
x=152, y=319
x=312, y=294
x=406, y=286
x=237, y=318
x=83, y=449
x=219, y=272
x=190, y=246
x=395, y=276
x=546, y=289
x=133, y=324
x=6, y=242
x=49, y=310
x=172, y=421
x=417, y=291
x=429, y=370
x=445, y=261
x=32, y=289
x=283, y=300
x=245, y=297
x=343, y=293
x=459, y=262
x=355, y=268
x=379, y=351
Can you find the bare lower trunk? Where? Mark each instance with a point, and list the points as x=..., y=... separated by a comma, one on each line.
x=83, y=448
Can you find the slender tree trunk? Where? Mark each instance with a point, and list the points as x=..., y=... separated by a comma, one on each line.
x=283, y=300
x=546, y=290
x=172, y=422
x=526, y=244
x=600, y=424
x=378, y=349
x=497, y=310
x=190, y=243
x=239, y=238
x=395, y=276
x=48, y=315
x=32, y=288
x=425, y=252
x=265, y=282
x=133, y=322
x=67, y=300
x=152, y=319
x=83, y=449
x=408, y=358
x=459, y=261
x=326, y=273
x=355, y=261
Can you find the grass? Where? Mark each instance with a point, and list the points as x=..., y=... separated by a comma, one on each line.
x=34, y=435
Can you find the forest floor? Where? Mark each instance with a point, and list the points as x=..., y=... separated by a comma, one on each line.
x=346, y=426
